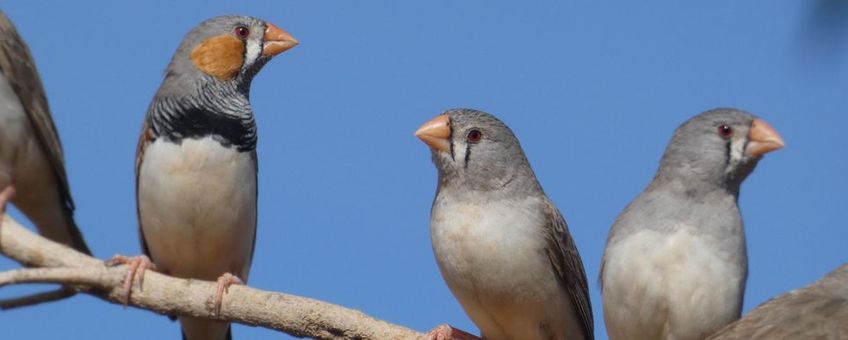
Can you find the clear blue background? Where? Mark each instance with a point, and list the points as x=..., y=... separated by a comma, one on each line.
x=593, y=90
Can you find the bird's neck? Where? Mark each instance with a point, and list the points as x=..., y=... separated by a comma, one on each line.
x=514, y=184
x=693, y=184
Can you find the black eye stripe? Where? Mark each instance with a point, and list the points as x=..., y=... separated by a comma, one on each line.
x=728, y=150
x=450, y=138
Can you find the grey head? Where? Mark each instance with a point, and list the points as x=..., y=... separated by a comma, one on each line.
x=206, y=88
x=717, y=149
x=225, y=51
x=476, y=151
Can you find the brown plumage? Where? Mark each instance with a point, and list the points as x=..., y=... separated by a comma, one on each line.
x=220, y=56
x=33, y=163
x=818, y=311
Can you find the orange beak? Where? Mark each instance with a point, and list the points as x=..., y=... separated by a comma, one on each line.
x=762, y=139
x=436, y=133
x=277, y=41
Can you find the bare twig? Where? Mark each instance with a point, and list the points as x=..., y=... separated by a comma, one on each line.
x=302, y=317
x=37, y=298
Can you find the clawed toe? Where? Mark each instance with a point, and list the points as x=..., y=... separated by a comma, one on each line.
x=137, y=265
x=446, y=332
x=224, y=283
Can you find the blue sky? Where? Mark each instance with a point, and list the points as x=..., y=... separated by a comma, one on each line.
x=593, y=91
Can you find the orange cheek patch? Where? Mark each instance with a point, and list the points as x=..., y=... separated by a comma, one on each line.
x=220, y=56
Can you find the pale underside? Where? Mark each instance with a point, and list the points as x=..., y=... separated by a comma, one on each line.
x=24, y=164
x=668, y=287
x=493, y=257
x=197, y=209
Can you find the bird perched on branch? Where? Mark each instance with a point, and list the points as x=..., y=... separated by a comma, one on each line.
x=196, y=165
x=31, y=160
x=675, y=262
x=502, y=246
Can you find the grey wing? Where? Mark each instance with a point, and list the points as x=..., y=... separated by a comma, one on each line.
x=146, y=137
x=17, y=65
x=255, y=207
x=568, y=267
x=818, y=311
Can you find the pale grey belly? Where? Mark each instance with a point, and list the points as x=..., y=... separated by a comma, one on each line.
x=496, y=266
x=197, y=205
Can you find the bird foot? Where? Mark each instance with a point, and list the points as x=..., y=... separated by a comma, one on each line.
x=137, y=264
x=224, y=283
x=446, y=332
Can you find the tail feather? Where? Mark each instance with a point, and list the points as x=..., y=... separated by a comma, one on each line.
x=204, y=329
x=229, y=333
x=77, y=241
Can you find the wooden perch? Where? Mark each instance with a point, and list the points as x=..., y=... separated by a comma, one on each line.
x=51, y=262
x=816, y=311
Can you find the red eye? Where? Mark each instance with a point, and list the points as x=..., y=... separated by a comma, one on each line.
x=474, y=136
x=725, y=131
x=242, y=32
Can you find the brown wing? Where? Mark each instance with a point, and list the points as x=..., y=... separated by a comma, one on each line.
x=144, y=139
x=17, y=65
x=256, y=207
x=818, y=311
x=568, y=267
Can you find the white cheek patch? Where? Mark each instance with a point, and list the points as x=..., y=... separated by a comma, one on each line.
x=459, y=151
x=254, y=49
x=737, y=152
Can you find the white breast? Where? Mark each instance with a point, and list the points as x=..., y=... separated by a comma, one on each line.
x=674, y=286
x=493, y=258
x=486, y=241
x=197, y=205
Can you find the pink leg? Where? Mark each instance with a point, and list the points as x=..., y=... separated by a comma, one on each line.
x=137, y=264
x=446, y=332
x=6, y=196
x=224, y=283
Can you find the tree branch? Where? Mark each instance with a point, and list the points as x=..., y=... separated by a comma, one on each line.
x=34, y=299
x=301, y=317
